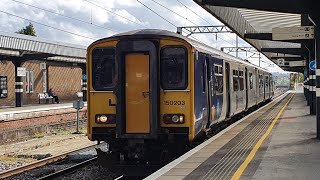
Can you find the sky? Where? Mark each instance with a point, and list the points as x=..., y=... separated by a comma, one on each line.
x=84, y=21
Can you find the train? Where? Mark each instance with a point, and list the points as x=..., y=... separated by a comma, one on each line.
x=152, y=93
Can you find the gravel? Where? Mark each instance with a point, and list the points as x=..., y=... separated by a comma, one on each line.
x=92, y=171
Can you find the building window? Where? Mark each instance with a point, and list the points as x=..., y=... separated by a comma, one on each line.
x=251, y=80
x=235, y=80
x=241, y=83
x=29, y=82
x=218, y=75
x=174, y=66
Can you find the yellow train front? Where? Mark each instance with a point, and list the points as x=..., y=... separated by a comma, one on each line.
x=153, y=92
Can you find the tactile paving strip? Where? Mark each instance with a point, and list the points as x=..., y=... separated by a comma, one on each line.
x=225, y=162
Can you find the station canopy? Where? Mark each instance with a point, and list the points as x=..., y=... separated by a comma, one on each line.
x=23, y=47
x=254, y=20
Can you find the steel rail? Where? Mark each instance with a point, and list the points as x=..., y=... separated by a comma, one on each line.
x=68, y=169
x=39, y=163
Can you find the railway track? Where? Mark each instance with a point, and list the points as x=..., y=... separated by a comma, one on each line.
x=125, y=177
x=43, y=162
x=68, y=169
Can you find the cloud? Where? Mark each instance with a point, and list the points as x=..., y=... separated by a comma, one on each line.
x=135, y=16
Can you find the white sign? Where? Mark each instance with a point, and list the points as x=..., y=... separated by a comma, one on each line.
x=21, y=71
x=292, y=33
x=43, y=66
x=280, y=62
x=297, y=63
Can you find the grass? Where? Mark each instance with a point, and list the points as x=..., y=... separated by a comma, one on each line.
x=63, y=131
x=38, y=135
x=13, y=159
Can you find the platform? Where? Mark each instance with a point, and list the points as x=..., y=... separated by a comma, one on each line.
x=275, y=142
x=15, y=113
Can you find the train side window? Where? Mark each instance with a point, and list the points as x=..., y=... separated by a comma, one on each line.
x=174, y=65
x=218, y=79
x=251, y=80
x=241, y=83
x=103, y=69
x=267, y=81
x=261, y=81
x=235, y=80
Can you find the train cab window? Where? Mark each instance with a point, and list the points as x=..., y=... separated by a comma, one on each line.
x=235, y=80
x=218, y=79
x=174, y=65
x=241, y=83
x=103, y=69
x=251, y=80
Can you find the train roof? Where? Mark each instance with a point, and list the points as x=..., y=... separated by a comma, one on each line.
x=201, y=47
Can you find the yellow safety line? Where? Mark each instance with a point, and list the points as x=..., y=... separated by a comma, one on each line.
x=253, y=152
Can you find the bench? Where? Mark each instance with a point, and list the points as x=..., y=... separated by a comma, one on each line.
x=46, y=97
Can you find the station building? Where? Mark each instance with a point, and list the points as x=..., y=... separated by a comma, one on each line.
x=30, y=66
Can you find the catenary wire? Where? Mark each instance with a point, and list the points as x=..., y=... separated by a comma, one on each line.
x=162, y=17
x=47, y=25
x=174, y=12
x=43, y=9
x=115, y=13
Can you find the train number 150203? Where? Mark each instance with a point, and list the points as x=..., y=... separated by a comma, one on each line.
x=174, y=103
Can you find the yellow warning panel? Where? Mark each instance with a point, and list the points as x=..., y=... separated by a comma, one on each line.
x=137, y=93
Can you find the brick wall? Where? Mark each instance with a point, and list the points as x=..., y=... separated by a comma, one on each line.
x=7, y=69
x=65, y=81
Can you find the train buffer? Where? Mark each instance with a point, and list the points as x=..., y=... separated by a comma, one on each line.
x=278, y=141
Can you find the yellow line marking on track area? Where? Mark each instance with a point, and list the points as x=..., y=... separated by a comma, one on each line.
x=253, y=152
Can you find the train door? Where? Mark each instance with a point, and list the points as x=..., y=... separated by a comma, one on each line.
x=228, y=89
x=246, y=86
x=207, y=94
x=137, y=92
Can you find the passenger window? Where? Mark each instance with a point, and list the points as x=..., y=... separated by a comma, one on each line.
x=241, y=83
x=267, y=81
x=103, y=69
x=251, y=80
x=235, y=80
x=218, y=79
x=174, y=67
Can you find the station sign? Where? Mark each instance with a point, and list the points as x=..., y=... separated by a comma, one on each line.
x=293, y=33
x=43, y=66
x=283, y=63
x=280, y=62
x=84, y=77
x=21, y=71
x=297, y=63
x=312, y=65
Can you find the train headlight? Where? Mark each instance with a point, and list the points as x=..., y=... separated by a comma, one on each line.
x=106, y=118
x=173, y=118
x=103, y=118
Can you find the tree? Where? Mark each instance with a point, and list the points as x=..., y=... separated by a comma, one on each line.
x=28, y=30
